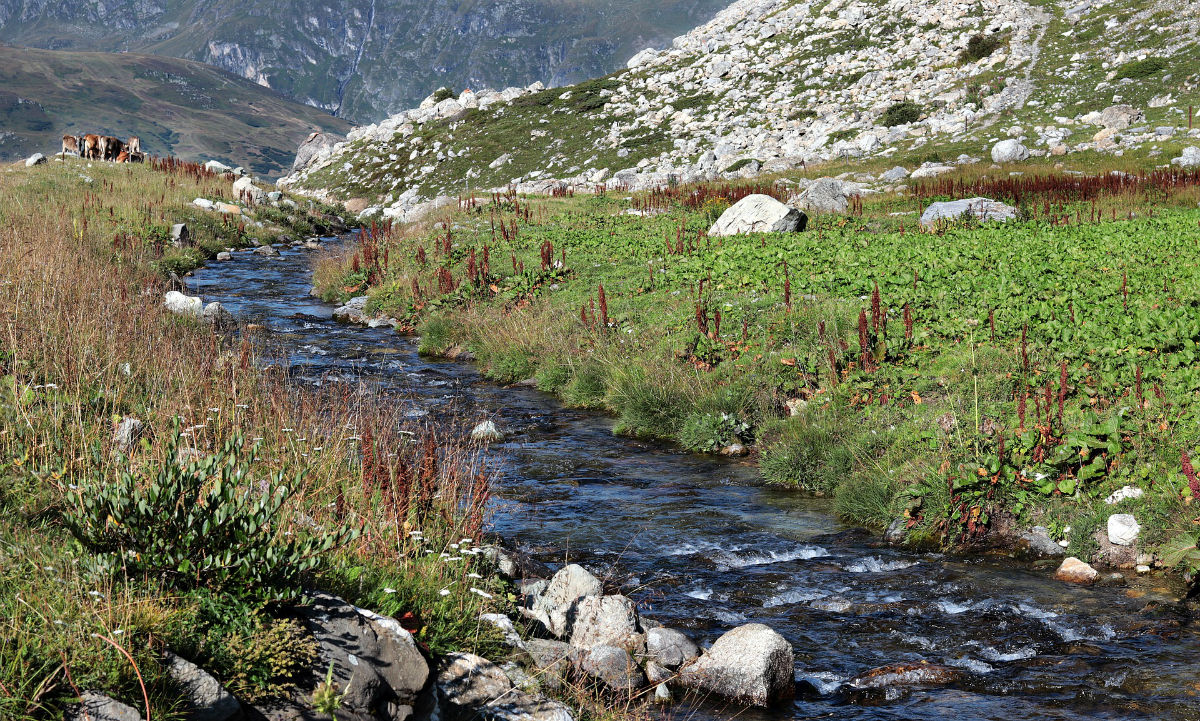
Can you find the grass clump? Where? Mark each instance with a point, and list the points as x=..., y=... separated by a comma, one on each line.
x=979, y=47
x=1140, y=69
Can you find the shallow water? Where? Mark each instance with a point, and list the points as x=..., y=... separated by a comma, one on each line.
x=705, y=549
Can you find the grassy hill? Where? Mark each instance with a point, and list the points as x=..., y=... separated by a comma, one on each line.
x=175, y=106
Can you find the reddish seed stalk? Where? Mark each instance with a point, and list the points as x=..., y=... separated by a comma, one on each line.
x=1193, y=483
x=603, y=308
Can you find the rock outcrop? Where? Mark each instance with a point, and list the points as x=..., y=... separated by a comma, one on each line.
x=758, y=214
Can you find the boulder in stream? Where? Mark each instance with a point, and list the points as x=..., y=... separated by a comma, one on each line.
x=555, y=608
x=607, y=621
x=1074, y=570
x=752, y=664
x=488, y=432
x=670, y=648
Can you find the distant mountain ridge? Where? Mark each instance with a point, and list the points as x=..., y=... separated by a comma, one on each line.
x=363, y=59
x=175, y=106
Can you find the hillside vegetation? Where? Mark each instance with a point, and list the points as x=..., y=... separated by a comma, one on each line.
x=176, y=107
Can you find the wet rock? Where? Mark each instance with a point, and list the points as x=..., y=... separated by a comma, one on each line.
x=180, y=304
x=515, y=565
x=458, y=353
x=127, y=432
x=352, y=311
x=607, y=621
x=95, y=706
x=734, y=450
x=267, y=251
x=181, y=237
x=375, y=661
x=555, y=608
x=488, y=432
x=1073, y=570
x=1123, y=529
x=220, y=319
x=758, y=214
x=670, y=647
x=1037, y=543
x=206, y=698
x=1113, y=554
x=981, y=209
x=1009, y=151
x=475, y=688
x=905, y=674
x=896, y=531
x=613, y=667
x=751, y=664
x=224, y=255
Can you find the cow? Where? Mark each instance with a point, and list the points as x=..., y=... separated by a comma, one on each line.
x=91, y=147
x=71, y=145
x=112, y=147
x=134, y=145
x=123, y=157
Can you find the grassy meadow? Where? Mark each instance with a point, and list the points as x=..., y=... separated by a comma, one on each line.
x=948, y=376
x=111, y=554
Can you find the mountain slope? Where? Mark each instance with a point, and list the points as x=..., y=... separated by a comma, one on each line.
x=769, y=85
x=175, y=106
x=364, y=58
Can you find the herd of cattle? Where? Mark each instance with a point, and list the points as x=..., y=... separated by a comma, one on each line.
x=104, y=147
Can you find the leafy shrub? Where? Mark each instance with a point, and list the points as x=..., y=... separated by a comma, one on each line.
x=205, y=523
x=647, y=406
x=710, y=432
x=901, y=114
x=980, y=47
x=443, y=94
x=553, y=376
x=1139, y=69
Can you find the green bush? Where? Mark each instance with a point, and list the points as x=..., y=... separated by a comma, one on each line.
x=437, y=335
x=1139, y=69
x=901, y=114
x=207, y=523
x=980, y=47
x=443, y=94
x=710, y=432
x=509, y=365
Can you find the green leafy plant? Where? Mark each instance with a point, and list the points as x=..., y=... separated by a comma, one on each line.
x=204, y=523
x=443, y=93
x=327, y=699
x=710, y=432
x=980, y=47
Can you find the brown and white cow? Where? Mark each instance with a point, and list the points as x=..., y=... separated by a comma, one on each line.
x=123, y=157
x=134, y=145
x=91, y=147
x=70, y=145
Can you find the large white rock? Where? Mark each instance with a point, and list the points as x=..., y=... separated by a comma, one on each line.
x=982, y=209
x=181, y=304
x=1189, y=159
x=245, y=190
x=758, y=214
x=1123, y=529
x=556, y=606
x=1009, y=151
x=607, y=621
x=35, y=159
x=751, y=664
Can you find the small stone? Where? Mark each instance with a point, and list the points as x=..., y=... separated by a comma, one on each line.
x=128, y=431
x=224, y=255
x=1009, y=151
x=613, y=667
x=95, y=706
x=1073, y=570
x=670, y=647
x=662, y=694
x=207, y=699
x=181, y=304
x=1142, y=568
x=266, y=251
x=220, y=319
x=1124, y=493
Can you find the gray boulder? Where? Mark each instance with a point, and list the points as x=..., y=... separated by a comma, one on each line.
x=127, y=432
x=95, y=706
x=515, y=565
x=220, y=319
x=982, y=209
x=375, y=661
x=613, y=667
x=758, y=214
x=314, y=146
x=206, y=698
x=551, y=659
x=246, y=191
x=751, y=664
x=1120, y=117
x=1009, y=151
x=894, y=175
x=353, y=311
x=266, y=251
x=475, y=688
x=1189, y=159
x=555, y=608
x=1036, y=542
x=35, y=159
x=216, y=166
x=607, y=621
x=180, y=304
x=670, y=648
x=181, y=237
x=204, y=203
x=826, y=195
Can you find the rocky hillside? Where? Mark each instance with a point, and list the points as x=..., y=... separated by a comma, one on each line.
x=176, y=107
x=364, y=58
x=769, y=85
